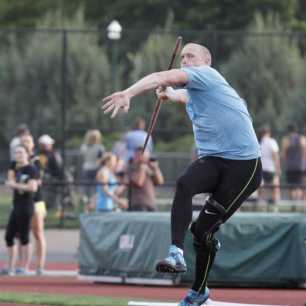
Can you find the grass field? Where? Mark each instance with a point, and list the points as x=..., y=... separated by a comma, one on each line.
x=60, y=300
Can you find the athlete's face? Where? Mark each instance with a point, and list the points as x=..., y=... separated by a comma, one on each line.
x=193, y=55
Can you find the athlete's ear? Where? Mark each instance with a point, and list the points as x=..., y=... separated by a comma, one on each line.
x=208, y=61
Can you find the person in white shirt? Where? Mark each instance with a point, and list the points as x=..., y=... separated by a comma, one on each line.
x=270, y=164
x=136, y=137
x=22, y=129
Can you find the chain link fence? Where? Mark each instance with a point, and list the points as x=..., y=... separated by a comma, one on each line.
x=53, y=80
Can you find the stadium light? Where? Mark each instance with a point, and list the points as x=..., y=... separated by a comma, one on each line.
x=114, y=30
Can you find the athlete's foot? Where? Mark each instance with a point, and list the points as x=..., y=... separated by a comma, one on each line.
x=174, y=263
x=194, y=298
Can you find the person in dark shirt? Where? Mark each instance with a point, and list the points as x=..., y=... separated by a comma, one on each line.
x=38, y=220
x=52, y=173
x=293, y=154
x=24, y=185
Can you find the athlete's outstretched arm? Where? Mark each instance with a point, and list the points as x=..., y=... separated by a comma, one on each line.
x=121, y=100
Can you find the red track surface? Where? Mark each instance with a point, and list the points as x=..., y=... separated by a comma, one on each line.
x=73, y=286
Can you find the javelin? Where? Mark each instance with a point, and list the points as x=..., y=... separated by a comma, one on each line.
x=159, y=100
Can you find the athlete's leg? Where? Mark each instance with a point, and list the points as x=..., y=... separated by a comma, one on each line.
x=201, y=176
x=239, y=180
x=205, y=245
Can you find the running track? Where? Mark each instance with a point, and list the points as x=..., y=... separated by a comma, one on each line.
x=72, y=286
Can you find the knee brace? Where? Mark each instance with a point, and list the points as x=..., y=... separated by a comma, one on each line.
x=208, y=222
x=207, y=243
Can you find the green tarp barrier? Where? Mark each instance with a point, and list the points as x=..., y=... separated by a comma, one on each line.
x=256, y=247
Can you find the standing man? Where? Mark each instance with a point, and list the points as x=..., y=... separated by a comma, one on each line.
x=270, y=164
x=143, y=174
x=293, y=153
x=136, y=137
x=228, y=166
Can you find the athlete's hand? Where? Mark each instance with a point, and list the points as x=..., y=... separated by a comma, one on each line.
x=170, y=94
x=167, y=93
x=118, y=101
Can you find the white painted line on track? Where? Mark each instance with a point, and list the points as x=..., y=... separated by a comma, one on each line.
x=208, y=303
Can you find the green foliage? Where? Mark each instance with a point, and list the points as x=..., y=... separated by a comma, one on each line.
x=31, y=63
x=192, y=14
x=180, y=144
x=298, y=112
x=25, y=13
x=33, y=86
x=268, y=72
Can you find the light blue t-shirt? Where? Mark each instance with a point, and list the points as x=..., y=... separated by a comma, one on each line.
x=135, y=139
x=221, y=122
x=104, y=202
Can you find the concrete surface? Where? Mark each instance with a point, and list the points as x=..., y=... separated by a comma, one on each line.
x=62, y=245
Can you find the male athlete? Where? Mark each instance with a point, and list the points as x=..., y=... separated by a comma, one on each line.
x=228, y=167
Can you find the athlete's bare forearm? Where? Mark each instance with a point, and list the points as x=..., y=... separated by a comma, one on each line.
x=154, y=80
x=120, y=101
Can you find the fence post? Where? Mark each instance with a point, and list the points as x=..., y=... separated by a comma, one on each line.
x=63, y=128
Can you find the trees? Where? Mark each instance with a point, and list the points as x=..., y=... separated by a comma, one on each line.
x=31, y=76
x=265, y=68
x=268, y=72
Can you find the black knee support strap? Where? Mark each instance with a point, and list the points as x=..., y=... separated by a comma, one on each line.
x=215, y=206
x=203, y=237
x=207, y=245
x=210, y=218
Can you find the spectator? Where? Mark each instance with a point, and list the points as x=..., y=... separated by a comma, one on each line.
x=38, y=220
x=107, y=192
x=270, y=164
x=119, y=149
x=293, y=153
x=136, y=138
x=22, y=129
x=24, y=185
x=91, y=150
x=144, y=174
x=52, y=172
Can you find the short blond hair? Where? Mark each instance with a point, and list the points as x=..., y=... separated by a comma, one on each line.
x=204, y=51
x=93, y=137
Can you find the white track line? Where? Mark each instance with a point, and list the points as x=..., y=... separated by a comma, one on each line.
x=208, y=303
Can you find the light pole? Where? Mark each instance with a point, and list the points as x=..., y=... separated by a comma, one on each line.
x=114, y=30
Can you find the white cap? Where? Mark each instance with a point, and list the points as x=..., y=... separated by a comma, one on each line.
x=46, y=139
